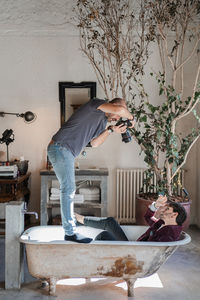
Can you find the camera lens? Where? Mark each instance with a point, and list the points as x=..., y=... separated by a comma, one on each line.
x=126, y=137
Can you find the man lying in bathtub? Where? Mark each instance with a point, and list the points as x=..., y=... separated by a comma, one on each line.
x=165, y=221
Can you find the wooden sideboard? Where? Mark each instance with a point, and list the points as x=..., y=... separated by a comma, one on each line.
x=13, y=189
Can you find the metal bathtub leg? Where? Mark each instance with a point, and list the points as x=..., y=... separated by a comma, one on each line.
x=52, y=286
x=130, y=286
x=44, y=283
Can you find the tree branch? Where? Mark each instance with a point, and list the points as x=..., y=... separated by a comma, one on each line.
x=185, y=158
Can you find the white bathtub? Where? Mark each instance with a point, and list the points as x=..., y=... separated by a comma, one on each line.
x=51, y=258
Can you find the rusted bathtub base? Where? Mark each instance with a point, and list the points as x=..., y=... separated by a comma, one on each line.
x=130, y=286
x=121, y=268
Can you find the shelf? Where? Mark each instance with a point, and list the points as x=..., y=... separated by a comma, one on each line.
x=85, y=204
x=15, y=189
x=95, y=207
x=16, y=180
x=80, y=172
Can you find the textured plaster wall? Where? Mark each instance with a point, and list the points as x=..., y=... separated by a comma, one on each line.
x=39, y=48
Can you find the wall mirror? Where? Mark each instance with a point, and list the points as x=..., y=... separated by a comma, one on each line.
x=73, y=95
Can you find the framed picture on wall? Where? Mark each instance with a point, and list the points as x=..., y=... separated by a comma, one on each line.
x=73, y=95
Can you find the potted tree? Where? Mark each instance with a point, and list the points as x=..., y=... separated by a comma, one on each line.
x=157, y=130
x=116, y=37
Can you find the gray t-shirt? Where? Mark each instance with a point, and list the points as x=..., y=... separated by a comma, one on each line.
x=85, y=124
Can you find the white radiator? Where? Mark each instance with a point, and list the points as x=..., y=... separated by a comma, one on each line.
x=129, y=184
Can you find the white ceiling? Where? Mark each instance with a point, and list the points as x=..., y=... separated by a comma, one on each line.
x=36, y=16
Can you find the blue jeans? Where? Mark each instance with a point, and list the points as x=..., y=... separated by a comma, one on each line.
x=63, y=164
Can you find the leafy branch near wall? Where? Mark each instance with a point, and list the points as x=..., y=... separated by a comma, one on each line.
x=154, y=134
x=116, y=36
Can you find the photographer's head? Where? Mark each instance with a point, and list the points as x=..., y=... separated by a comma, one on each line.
x=116, y=101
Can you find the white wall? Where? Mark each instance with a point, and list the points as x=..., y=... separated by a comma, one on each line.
x=31, y=68
x=37, y=50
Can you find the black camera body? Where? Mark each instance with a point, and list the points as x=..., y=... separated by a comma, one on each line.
x=126, y=136
x=7, y=137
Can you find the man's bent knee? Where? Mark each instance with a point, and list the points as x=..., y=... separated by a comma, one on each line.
x=111, y=221
x=70, y=192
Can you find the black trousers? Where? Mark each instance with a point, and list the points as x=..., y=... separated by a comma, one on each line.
x=111, y=228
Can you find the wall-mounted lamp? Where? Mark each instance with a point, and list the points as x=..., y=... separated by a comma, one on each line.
x=28, y=116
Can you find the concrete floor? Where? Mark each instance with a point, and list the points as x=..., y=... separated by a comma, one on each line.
x=177, y=279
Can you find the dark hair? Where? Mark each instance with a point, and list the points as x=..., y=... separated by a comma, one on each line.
x=117, y=100
x=182, y=215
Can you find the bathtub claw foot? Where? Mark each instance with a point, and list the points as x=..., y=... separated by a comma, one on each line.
x=44, y=284
x=52, y=286
x=130, y=286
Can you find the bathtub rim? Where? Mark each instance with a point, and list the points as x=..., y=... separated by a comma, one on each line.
x=24, y=240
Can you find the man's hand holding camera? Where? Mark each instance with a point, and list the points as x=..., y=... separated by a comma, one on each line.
x=161, y=201
x=119, y=128
x=132, y=122
x=160, y=206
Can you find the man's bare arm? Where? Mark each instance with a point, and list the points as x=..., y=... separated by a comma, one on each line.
x=116, y=109
x=102, y=137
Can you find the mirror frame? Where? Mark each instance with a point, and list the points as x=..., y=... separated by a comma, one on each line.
x=70, y=84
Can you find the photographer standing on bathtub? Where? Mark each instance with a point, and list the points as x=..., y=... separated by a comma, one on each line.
x=86, y=125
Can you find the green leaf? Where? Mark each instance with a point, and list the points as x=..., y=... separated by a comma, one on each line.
x=143, y=119
x=197, y=95
x=161, y=91
x=152, y=108
x=165, y=107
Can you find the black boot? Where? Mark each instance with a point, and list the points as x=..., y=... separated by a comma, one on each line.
x=78, y=238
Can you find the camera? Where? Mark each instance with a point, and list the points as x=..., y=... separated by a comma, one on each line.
x=126, y=136
x=6, y=137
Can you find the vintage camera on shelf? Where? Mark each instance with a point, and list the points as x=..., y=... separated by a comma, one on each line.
x=126, y=136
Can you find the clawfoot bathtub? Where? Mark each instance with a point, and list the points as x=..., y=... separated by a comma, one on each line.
x=51, y=258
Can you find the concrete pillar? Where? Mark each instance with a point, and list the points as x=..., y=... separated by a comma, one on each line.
x=14, y=254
